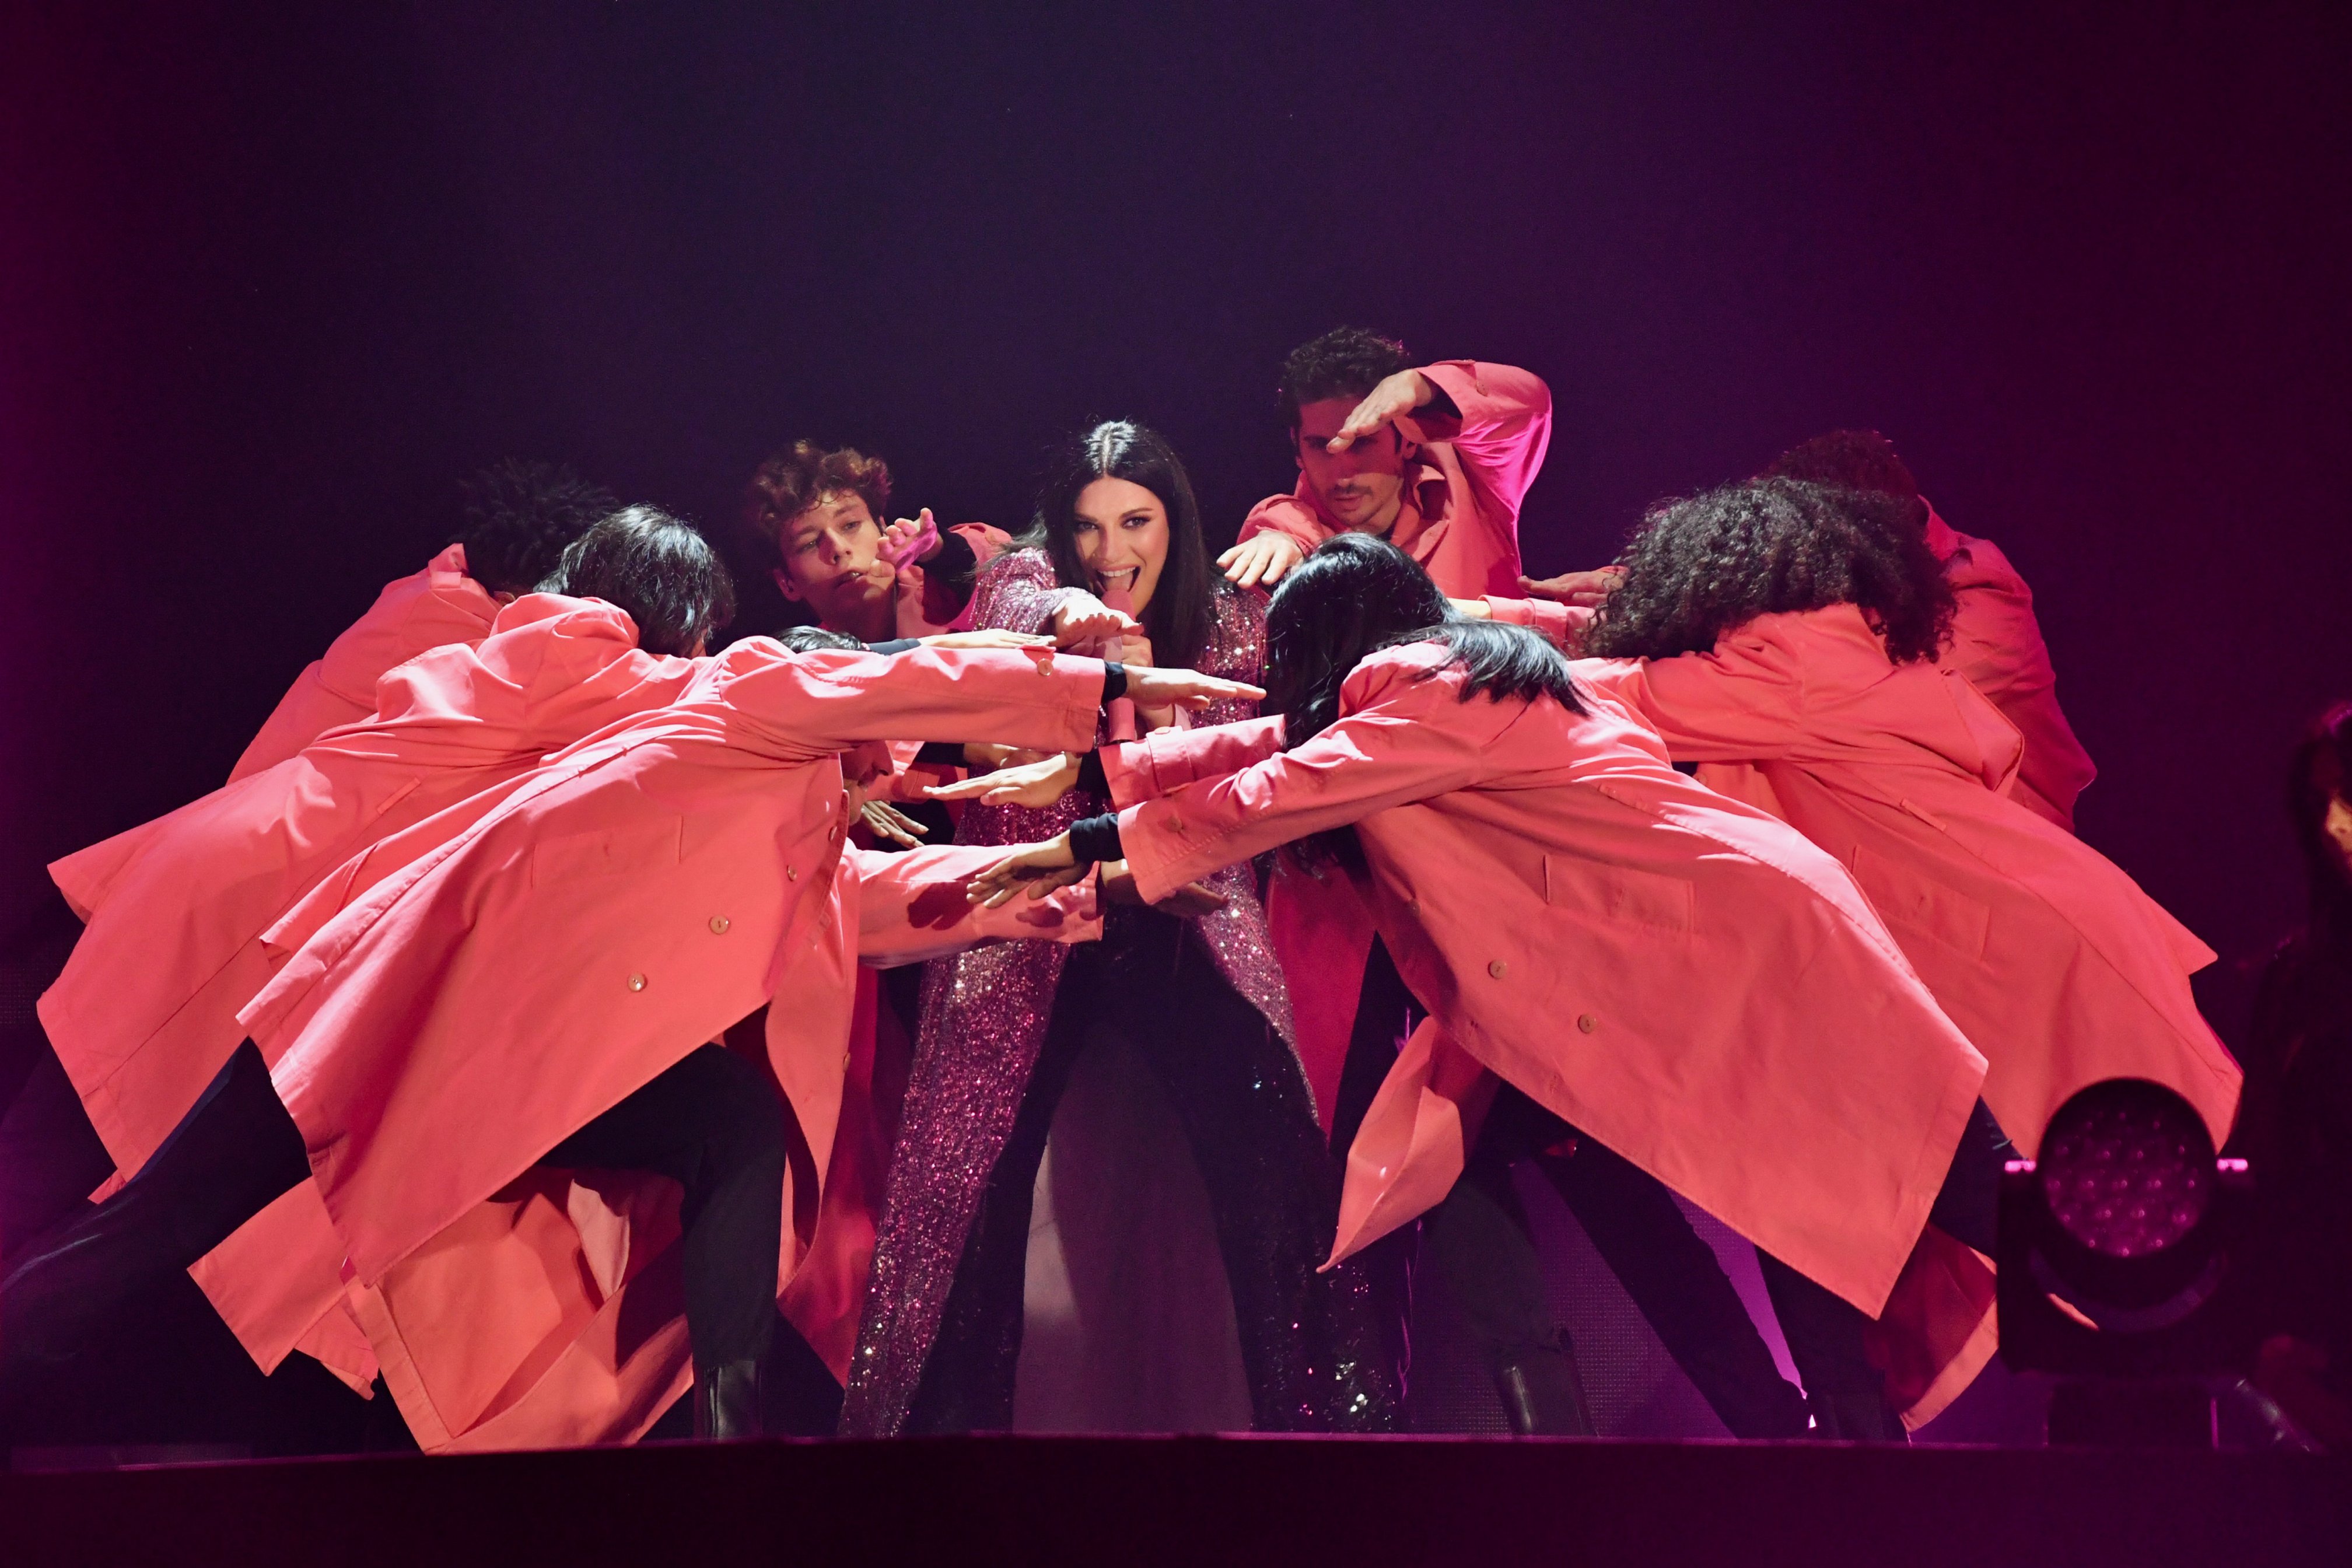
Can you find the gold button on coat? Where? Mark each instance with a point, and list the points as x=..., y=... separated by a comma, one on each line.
x=791, y=873
x=1588, y=1022
x=718, y=924
x=1498, y=969
x=636, y=983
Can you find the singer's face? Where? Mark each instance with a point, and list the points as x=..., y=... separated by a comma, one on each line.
x=1122, y=539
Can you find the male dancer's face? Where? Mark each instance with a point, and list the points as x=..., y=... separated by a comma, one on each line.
x=1360, y=487
x=832, y=564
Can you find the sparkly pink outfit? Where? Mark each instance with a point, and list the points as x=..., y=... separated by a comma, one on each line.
x=987, y=1016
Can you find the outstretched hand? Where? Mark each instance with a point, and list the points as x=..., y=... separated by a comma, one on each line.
x=1189, y=901
x=911, y=540
x=1585, y=590
x=1033, y=784
x=1041, y=867
x=1148, y=688
x=1081, y=618
x=1393, y=399
x=891, y=826
x=1261, y=560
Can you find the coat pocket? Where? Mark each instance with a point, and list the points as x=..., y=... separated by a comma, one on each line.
x=1909, y=901
x=1621, y=895
x=607, y=852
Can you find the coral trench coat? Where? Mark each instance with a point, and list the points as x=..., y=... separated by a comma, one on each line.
x=145, y=1012
x=641, y=892
x=1997, y=644
x=424, y=610
x=551, y=1314
x=1680, y=976
x=2045, y=953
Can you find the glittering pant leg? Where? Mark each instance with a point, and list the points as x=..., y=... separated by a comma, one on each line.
x=967, y=1382
x=1311, y=1344
x=1385, y=1014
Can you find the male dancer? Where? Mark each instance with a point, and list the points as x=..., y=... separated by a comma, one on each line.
x=1996, y=640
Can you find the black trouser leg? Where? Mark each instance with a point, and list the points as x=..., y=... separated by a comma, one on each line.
x=235, y=1150
x=51, y=1158
x=712, y=1123
x=1478, y=1240
x=1310, y=1342
x=1825, y=1332
x=967, y=1380
x=1675, y=1279
x=1385, y=1015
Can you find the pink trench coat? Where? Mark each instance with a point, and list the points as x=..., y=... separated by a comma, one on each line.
x=424, y=610
x=2045, y=953
x=414, y=1036
x=145, y=1012
x=1679, y=975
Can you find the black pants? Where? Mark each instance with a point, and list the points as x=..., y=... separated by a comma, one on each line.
x=1480, y=1241
x=50, y=1156
x=1825, y=1332
x=711, y=1122
x=1307, y=1340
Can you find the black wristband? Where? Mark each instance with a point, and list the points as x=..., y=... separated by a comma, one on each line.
x=1095, y=839
x=896, y=644
x=1090, y=775
x=1114, y=681
x=941, y=754
x=955, y=559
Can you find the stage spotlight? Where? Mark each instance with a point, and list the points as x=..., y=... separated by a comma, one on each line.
x=2117, y=1252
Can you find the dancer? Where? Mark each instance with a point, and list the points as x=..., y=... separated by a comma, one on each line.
x=1791, y=631
x=2296, y=1125
x=1679, y=978
x=1996, y=640
x=817, y=517
x=1203, y=1000
x=725, y=812
x=516, y=520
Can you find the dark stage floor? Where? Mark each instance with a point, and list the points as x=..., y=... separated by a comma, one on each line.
x=1221, y=1500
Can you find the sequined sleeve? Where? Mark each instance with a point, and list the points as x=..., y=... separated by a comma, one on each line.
x=1236, y=651
x=1016, y=592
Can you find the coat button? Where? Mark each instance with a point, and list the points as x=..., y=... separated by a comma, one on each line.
x=636, y=983
x=718, y=924
x=1498, y=969
x=835, y=836
x=844, y=1061
x=1588, y=1022
x=791, y=873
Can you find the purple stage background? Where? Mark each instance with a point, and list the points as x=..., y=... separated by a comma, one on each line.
x=269, y=282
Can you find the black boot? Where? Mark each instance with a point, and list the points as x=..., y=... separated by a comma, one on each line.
x=1543, y=1394
x=727, y=1403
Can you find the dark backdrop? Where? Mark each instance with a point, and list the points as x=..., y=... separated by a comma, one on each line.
x=269, y=282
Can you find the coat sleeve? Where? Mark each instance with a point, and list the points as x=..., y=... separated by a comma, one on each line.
x=1165, y=761
x=1399, y=739
x=1290, y=515
x=1997, y=644
x=1562, y=625
x=1744, y=701
x=1504, y=430
x=832, y=701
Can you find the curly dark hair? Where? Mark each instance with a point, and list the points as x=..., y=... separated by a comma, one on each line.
x=791, y=481
x=1709, y=564
x=1346, y=362
x=818, y=639
x=1853, y=459
x=661, y=571
x=515, y=519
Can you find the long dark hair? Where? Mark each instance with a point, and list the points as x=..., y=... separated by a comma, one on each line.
x=656, y=568
x=2322, y=772
x=1354, y=595
x=1709, y=564
x=1179, y=618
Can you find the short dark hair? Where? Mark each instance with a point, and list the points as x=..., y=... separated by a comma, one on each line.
x=1346, y=362
x=816, y=639
x=516, y=517
x=1708, y=564
x=2322, y=772
x=660, y=571
x=1180, y=617
x=1855, y=460
x=797, y=478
